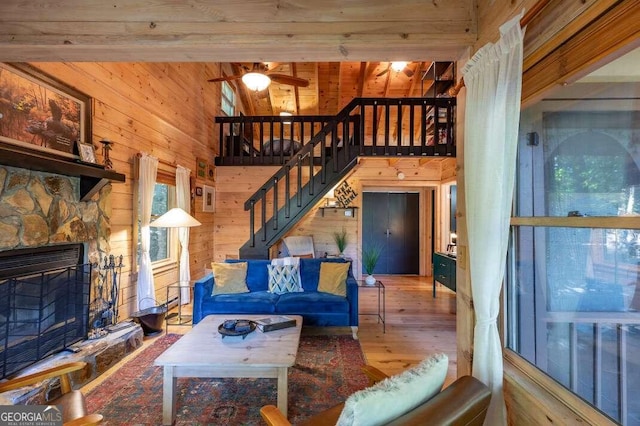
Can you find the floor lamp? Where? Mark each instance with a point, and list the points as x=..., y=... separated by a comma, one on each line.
x=177, y=218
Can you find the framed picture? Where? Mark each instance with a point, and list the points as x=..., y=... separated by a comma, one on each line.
x=198, y=191
x=87, y=152
x=208, y=199
x=41, y=112
x=201, y=168
x=211, y=172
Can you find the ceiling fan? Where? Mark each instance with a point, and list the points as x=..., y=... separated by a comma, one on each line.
x=257, y=77
x=397, y=67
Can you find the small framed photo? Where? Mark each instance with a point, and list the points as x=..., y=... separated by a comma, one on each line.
x=86, y=152
x=201, y=168
x=208, y=199
x=198, y=191
x=211, y=172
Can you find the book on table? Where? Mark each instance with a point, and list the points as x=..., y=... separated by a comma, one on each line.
x=275, y=323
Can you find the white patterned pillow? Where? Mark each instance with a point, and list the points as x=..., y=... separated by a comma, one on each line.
x=284, y=279
x=397, y=395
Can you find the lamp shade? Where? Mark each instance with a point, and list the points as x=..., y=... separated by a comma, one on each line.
x=175, y=218
x=256, y=81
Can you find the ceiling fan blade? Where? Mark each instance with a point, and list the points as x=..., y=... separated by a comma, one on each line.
x=383, y=72
x=227, y=78
x=289, y=79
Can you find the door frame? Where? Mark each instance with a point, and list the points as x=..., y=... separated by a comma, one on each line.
x=424, y=190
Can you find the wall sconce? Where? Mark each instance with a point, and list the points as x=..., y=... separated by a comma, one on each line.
x=256, y=81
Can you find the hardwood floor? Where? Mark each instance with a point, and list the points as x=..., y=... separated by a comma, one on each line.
x=417, y=325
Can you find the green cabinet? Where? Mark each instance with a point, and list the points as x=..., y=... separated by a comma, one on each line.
x=444, y=271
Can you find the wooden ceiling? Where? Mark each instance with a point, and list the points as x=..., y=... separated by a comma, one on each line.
x=340, y=47
x=332, y=85
x=223, y=31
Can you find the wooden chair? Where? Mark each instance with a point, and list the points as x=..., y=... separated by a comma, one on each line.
x=463, y=403
x=74, y=410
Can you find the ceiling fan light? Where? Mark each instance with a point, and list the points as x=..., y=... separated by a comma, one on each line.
x=256, y=81
x=398, y=66
x=286, y=116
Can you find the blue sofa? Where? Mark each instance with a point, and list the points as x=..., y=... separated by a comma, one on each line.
x=316, y=308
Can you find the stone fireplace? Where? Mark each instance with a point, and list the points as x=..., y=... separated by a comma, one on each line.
x=45, y=211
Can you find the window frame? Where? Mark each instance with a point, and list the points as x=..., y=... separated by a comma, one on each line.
x=225, y=100
x=565, y=57
x=165, y=175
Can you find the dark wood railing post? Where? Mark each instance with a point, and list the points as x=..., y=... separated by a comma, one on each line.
x=263, y=220
x=275, y=203
x=252, y=224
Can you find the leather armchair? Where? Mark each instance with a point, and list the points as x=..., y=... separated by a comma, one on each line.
x=74, y=410
x=463, y=403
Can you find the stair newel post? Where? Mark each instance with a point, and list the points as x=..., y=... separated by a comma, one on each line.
x=299, y=184
x=287, y=192
x=263, y=208
x=252, y=223
x=275, y=203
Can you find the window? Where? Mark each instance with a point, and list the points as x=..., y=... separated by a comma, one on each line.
x=228, y=100
x=162, y=248
x=574, y=257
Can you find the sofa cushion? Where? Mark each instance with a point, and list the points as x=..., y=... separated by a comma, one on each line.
x=257, y=273
x=258, y=302
x=310, y=271
x=311, y=302
x=229, y=278
x=333, y=278
x=392, y=397
x=283, y=279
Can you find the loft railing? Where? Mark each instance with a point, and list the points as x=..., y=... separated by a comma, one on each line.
x=365, y=127
x=389, y=126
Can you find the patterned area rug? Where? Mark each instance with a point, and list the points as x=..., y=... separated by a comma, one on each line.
x=327, y=370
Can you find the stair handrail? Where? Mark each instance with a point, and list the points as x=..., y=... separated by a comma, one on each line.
x=306, y=150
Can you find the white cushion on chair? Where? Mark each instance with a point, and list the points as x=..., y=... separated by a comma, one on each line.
x=396, y=395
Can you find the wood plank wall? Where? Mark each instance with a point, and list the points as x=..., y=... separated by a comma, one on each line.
x=165, y=110
x=235, y=184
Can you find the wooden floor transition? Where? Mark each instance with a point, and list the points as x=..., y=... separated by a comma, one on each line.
x=417, y=325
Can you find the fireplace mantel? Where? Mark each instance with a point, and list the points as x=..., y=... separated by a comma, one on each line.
x=92, y=176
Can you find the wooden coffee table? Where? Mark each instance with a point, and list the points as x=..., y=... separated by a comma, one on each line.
x=202, y=352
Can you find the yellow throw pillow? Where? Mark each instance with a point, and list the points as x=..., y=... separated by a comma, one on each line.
x=333, y=278
x=229, y=278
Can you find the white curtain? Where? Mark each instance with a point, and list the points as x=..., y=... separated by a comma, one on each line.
x=148, y=168
x=493, y=78
x=183, y=200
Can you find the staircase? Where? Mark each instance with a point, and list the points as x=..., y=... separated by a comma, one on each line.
x=365, y=127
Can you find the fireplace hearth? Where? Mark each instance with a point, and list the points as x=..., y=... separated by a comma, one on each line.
x=44, y=303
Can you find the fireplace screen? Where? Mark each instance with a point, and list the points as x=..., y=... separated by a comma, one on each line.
x=42, y=311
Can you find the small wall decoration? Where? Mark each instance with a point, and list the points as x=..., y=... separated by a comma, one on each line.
x=198, y=191
x=208, y=199
x=201, y=168
x=211, y=172
x=345, y=194
x=87, y=152
x=41, y=112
